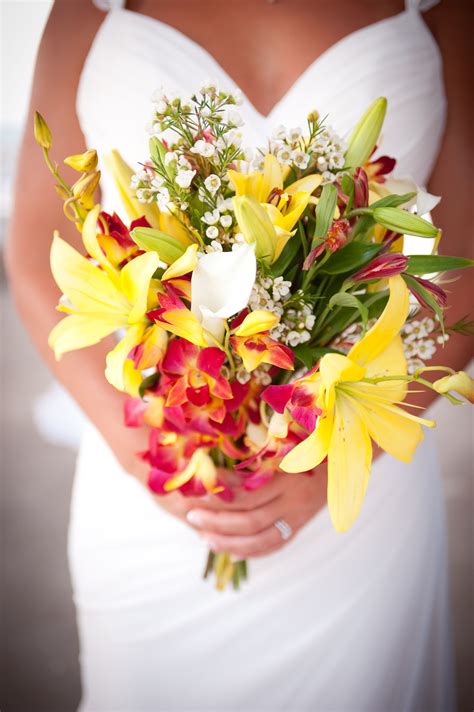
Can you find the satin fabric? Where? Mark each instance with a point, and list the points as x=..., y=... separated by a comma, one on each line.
x=330, y=622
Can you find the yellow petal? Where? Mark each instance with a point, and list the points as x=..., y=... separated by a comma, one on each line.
x=132, y=378
x=334, y=369
x=297, y=206
x=308, y=184
x=135, y=279
x=310, y=452
x=246, y=183
x=184, y=264
x=172, y=226
x=390, y=362
x=154, y=346
x=85, y=285
x=459, y=382
x=89, y=238
x=396, y=431
x=256, y=322
x=83, y=162
x=80, y=330
x=182, y=322
x=272, y=177
x=256, y=227
x=200, y=466
x=387, y=326
x=115, y=359
x=349, y=460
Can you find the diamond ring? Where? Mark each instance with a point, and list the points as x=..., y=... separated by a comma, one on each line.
x=284, y=528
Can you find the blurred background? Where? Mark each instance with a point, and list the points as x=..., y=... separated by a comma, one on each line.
x=39, y=641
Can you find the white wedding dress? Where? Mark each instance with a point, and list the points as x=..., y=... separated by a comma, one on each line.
x=332, y=622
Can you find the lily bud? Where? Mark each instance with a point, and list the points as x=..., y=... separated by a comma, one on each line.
x=381, y=267
x=459, y=382
x=84, y=189
x=404, y=222
x=83, y=162
x=42, y=132
x=364, y=137
x=256, y=227
x=152, y=240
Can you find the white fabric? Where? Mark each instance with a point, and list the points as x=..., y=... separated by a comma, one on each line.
x=332, y=622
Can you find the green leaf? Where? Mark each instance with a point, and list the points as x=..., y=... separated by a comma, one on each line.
x=153, y=240
x=287, y=256
x=344, y=299
x=393, y=201
x=404, y=222
x=157, y=150
x=325, y=210
x=427, y=297
x=347, y=186
x=147, y=384
x=350, y=258
x=365, y=135
x=427, y=264
x=309, y=355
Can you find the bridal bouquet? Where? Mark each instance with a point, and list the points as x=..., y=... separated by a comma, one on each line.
x=267, y=315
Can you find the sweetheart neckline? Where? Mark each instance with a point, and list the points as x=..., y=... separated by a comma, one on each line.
x=210, y=58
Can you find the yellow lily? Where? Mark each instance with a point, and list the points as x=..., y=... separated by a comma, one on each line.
x=101, y=300
x=356, y=407
x=269, y=224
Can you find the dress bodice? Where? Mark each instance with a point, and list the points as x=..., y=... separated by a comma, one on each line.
x=396, y=57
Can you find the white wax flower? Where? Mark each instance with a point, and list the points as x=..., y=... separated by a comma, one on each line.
x=184, y=177
x=221, y=284
x=212, y=183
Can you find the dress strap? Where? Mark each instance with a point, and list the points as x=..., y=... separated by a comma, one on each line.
x=106, y=5
x=420, y=5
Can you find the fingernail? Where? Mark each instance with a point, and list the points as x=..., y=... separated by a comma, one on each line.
x=194, y=517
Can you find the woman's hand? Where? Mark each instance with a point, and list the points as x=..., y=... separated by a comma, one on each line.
x=246, y=528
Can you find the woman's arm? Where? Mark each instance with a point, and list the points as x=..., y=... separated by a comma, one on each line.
x=452, y=177
x=37, y=211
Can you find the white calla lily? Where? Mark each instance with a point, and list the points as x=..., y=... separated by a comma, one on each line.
x=221, y=285
x=424, y=202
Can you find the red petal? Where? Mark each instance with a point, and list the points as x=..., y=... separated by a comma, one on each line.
x=277, y=397
x=133, y=410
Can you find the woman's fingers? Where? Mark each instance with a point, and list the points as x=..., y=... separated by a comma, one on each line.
x=248, y=499
x=240, y=522
x=245, y=547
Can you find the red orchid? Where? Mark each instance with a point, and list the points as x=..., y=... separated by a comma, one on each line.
x=261, y=348
x=197, y=373
x=334, y=240
x=299, y=397
x=381, y=267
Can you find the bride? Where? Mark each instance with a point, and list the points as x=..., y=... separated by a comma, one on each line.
x=327, y=622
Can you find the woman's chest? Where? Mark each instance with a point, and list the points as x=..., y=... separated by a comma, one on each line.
x=265, y=46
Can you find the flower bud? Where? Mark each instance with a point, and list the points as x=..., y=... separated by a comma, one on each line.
x=42, y=132
x=437, y=292
x=83, y=162
x=364, y=137
x=381, y=267
x=256, y=227
x=84, y=189
x=459, y=382
x=404, y=222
